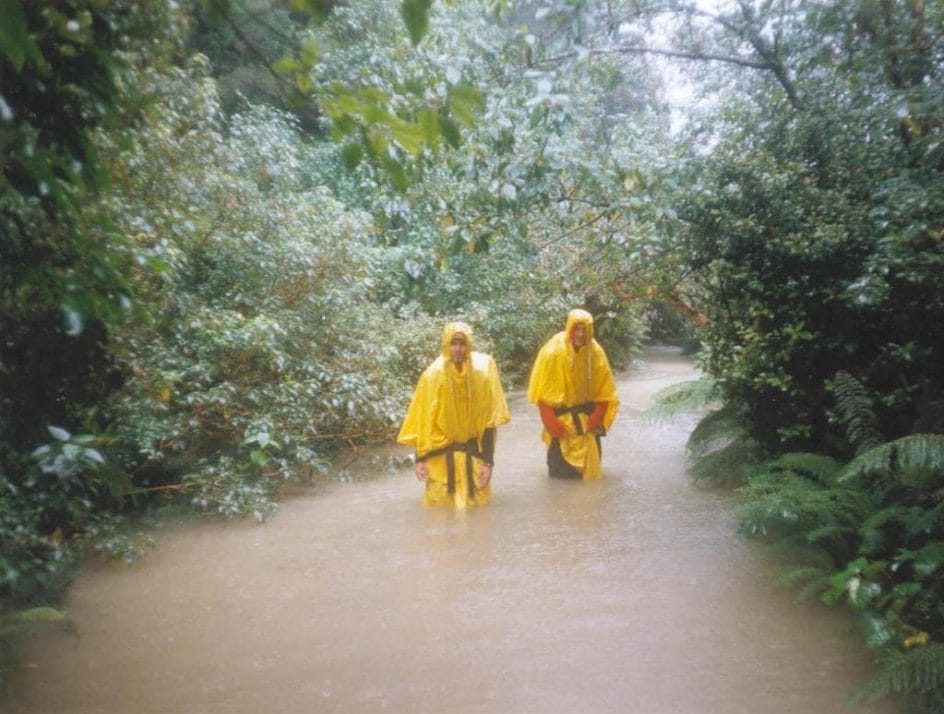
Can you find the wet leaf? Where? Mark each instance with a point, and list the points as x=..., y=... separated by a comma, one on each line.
x=415, y=15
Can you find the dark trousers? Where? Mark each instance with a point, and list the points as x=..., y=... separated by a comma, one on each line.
x=558, y=466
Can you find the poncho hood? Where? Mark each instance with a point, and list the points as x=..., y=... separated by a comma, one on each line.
x=451, y=330
x=579, y=317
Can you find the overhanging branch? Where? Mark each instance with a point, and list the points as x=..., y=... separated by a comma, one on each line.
x=680, y=54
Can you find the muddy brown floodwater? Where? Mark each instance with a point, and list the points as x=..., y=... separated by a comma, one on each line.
x=630, y=594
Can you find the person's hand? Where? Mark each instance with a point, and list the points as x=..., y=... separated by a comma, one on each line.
x=556, y=428
x=421, y=470
x=485, y=474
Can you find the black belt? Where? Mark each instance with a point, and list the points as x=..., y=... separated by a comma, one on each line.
x=470, y=448
x=585, y=408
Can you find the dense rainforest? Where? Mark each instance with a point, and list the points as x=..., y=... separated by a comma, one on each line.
x=231, y=231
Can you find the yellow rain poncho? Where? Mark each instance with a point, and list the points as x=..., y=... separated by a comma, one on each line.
x=452, y=408
x=577, y=387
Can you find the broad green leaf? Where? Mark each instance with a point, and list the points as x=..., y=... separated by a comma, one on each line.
x=59, y=433
x=415, y=15
x=308, y=53
x=411, y=137
x=450, y=132
x=396, y=172
x=304, y=83
x=318, y=9
x=464, y=101
x=15, y=40
x=376, y=114
x=286, y=66
x=377, y=144
x=351, y=154
x=344, y=124
x=343, y=103
x=429, y=121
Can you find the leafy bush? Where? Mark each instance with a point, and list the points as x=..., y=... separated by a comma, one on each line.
x=63, y=288
x=262, y=349
x=872, y=532
x=811, y=229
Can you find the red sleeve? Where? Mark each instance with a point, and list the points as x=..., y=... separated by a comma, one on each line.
x=596, y=416
x=550, y=420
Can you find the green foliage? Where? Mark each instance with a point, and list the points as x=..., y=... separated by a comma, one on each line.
x=415, y=15
x=262, y=350
x=681, y=398
x=814, y=303
x=919, y=458
x=919, y=671
x=62, y=68
x=717, y=428
x=523, y=200
x=726, y=465
x=791, y=498
x=811, y=227
x=63, y=286
x=869, y=533
x=720, y=450
x=246, y=41
x=857, y=411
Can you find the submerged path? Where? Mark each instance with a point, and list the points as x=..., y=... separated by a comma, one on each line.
x=629, y=595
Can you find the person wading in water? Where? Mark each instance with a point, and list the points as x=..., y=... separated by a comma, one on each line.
x=452, y=421
x=572, y=385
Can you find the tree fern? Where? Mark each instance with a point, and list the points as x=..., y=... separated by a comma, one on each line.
x=918, y=671
x=815, y=467
x=682, y=398
x=897, y=526
x=829, y=533
x=857, y=412
x=800, y=511
x=915, y=455
x=807, y=580
x=719, y=428
x=878, y=523
x=726, y=466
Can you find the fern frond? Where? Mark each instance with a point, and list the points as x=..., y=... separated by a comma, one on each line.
x=792, y=504
x=827, y=533
x=717, y=429
x=799, y=510
x=919, y=671
x=682, y=398
x=816, y=467
x=726, y=466
x=807, y=580
x=912, y=454
x=891, y=515
x=857, y=411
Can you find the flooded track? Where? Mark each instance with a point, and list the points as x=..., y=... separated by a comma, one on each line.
x=629, y=595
